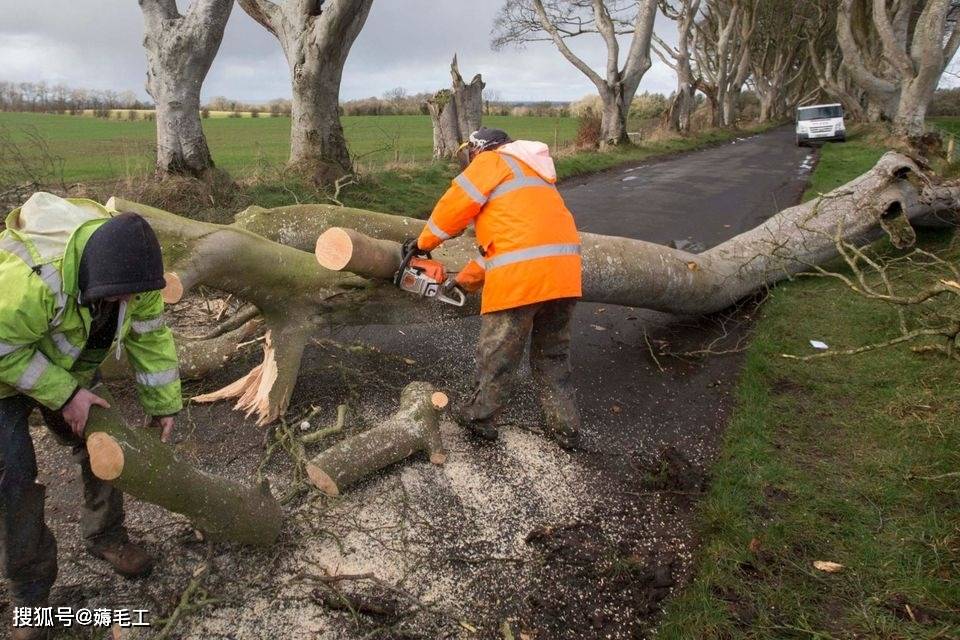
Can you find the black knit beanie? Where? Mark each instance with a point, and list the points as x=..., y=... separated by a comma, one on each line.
x=122, y=257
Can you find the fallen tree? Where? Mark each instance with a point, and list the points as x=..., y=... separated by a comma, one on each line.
x=137, y=463
x=295, y=295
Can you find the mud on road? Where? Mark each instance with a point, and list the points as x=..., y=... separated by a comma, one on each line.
x=520, y=533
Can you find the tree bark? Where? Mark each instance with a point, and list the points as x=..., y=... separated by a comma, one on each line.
x=316, y=37
x=415, y=427
x=456, y=113
x=296, y=295
x=137, y=463
x=678, y=58
x=180, y=50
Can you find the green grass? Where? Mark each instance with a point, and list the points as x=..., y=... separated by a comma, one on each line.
x=103, y=149
x=831, y=460
x=950, y=124
x=841, y=162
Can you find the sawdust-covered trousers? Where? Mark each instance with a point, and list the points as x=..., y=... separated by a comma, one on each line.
x=28, y=551
x=503, y=336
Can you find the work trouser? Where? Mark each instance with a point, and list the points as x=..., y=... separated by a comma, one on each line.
x=28, y=551
x=503, y=335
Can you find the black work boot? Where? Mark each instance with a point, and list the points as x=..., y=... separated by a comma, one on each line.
x=126, y=558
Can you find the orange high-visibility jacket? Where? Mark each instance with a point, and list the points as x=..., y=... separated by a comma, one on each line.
x=528, y=239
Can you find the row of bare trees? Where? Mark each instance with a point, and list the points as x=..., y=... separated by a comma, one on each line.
x=60, y=98
x=882, y=58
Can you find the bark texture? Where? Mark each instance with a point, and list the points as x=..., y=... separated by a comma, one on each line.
x=455, y=113
x=415, y=427
x=722, y=52
x=559, y=21
x=180, y=50
x=316, y=37
x=296, y=295
x=137, y=463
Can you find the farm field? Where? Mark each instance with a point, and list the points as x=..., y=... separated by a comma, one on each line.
x=103, y=149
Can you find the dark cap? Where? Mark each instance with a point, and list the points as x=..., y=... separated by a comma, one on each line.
x=484, y=139
x=122, y=257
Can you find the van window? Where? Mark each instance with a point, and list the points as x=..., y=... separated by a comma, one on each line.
x=819, y=113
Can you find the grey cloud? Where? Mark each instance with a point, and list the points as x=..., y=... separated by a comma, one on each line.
x=408, y=43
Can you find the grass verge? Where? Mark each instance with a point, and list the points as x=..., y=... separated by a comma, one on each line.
x=851, y=460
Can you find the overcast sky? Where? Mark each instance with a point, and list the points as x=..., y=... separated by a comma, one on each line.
x=96, y=44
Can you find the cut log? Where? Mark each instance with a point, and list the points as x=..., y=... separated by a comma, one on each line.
x=414, y=428
x=340, y=249
x=137, y=463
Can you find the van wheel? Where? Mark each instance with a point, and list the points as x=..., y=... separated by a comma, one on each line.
x=799, y=142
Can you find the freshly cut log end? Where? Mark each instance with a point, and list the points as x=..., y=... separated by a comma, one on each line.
x=334, y=249
x=415, y=427
x=173, y=291
x=322, y=481
x=439, y=400
x=106, y=456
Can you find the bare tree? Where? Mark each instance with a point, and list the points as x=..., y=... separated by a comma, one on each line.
x=722, y=52
x=316, y=36
x=826, y=60
x=896, y=51
x=777, y=61
x=180, y=50
x=558, y=21
x=455, y=112
x=679, y=58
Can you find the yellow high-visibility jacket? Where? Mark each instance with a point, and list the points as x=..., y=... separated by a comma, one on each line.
x=43, y=329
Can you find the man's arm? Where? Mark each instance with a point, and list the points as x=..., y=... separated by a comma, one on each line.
x=463, y=200
x=153, y=355
x=25, y=313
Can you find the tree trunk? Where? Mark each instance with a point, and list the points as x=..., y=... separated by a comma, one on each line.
x=296, y=295
x=316, y=38
x=414, y=428
x=180, y=50
x=137, y=463
x=613, y=120
x=455, y=113
x=316, y=135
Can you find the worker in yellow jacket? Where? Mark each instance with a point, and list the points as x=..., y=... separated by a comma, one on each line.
x=529, y=268
x=75, y=280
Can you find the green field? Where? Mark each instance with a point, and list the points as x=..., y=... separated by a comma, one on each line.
x=101, y=149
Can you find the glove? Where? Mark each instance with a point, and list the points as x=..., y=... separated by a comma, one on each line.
x=411, y=247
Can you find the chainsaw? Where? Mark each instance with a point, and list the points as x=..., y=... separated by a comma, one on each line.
x=423, y=276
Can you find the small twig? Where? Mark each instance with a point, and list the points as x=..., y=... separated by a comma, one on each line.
x=320, y=434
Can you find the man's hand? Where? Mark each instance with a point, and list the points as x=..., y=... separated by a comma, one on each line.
x=165, y=424
x=76, y=412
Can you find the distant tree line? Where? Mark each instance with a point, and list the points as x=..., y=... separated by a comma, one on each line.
x=59, y=98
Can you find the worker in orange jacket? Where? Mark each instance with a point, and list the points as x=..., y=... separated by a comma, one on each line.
x=529, y=268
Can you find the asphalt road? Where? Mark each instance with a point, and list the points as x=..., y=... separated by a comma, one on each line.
x=702, y=197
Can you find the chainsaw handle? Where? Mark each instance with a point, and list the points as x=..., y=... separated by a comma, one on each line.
x=459, y=296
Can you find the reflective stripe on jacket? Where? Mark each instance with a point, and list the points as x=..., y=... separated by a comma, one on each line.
x=43, y=330
x=529, y=241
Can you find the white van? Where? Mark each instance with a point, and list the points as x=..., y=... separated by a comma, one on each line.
x=820, y=123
